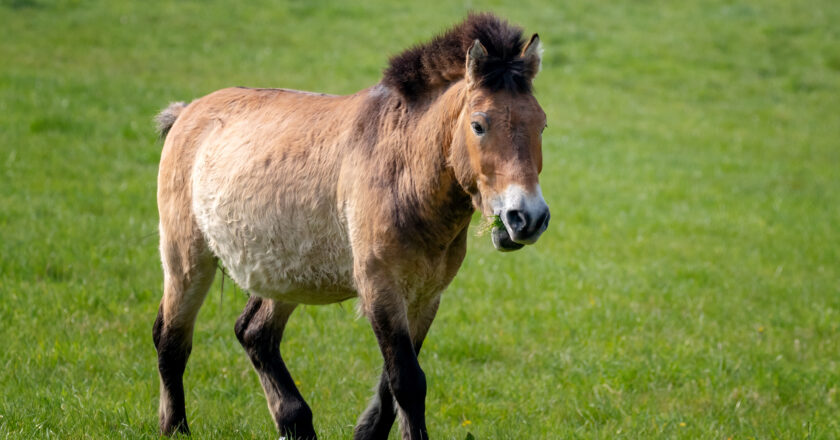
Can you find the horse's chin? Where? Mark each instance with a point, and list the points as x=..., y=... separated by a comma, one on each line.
x=502, y=242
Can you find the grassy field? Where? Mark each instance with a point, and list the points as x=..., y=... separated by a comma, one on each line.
x=688, y=287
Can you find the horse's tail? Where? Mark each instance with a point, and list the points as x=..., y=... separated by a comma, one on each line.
x=167, y=117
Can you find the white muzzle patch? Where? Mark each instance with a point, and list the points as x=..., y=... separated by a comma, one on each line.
x=524, y=213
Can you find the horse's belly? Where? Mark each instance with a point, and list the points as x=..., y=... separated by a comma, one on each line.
x=286, y=253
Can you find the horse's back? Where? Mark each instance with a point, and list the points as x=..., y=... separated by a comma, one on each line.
x=264, y=175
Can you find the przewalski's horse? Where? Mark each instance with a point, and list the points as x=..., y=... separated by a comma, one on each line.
x=308, y=198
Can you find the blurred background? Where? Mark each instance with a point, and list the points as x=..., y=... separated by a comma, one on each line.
x=688, y=286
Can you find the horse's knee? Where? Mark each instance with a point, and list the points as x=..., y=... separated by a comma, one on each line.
x=408, y=384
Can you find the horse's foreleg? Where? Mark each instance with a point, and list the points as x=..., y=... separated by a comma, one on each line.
x=405, y=378
x=420, y=317
x=378, y=418
x=259, y=330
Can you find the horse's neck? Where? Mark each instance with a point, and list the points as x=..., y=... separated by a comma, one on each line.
x=428, y=149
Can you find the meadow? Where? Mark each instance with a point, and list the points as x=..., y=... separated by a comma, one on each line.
x=688, y=286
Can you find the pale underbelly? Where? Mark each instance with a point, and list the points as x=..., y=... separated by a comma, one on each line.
x=302, y=278
x=299, y=257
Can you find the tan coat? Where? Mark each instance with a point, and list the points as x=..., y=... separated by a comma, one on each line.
x=307, y=198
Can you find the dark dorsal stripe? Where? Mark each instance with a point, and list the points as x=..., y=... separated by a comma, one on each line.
x=431, y=66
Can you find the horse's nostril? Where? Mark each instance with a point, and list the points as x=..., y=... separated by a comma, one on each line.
x=542, y=222
x=516, y=220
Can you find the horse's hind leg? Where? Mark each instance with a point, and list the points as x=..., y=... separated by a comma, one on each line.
x=259, y=330
x=376, y=422
x=188, y=271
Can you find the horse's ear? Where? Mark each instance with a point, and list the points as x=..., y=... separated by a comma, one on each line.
x=475, y=56
x=532, y=56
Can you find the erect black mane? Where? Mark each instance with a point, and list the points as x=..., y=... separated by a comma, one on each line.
x=430, y=66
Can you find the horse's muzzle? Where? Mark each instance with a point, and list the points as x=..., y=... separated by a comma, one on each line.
x=526, y=226
x=524, y=215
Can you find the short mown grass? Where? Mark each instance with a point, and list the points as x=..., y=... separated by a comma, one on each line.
x=688, y=286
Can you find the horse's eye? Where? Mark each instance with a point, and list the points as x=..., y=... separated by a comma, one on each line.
x=477, y=128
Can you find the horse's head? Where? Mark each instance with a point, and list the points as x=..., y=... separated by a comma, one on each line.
x=500, y=132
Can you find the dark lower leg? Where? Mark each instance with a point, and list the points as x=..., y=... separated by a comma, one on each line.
x=173, y=346
x=406, y=379
x=408, y=385
x=378, y=418
x=375, y=423
x=259, y=330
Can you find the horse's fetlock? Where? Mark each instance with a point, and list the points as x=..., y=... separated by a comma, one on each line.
x=173, y=423
x=295, y=421
x=296, y=413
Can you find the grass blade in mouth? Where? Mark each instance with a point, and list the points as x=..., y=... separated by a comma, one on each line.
x=489, y=223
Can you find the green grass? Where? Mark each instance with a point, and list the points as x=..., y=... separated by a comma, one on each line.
x=688, y=286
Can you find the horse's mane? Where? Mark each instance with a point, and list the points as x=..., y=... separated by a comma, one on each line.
x=436, y=64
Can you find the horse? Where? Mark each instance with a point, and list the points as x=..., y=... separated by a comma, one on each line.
x=309, y=198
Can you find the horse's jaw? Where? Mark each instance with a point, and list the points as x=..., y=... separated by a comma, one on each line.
x=502, y=241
